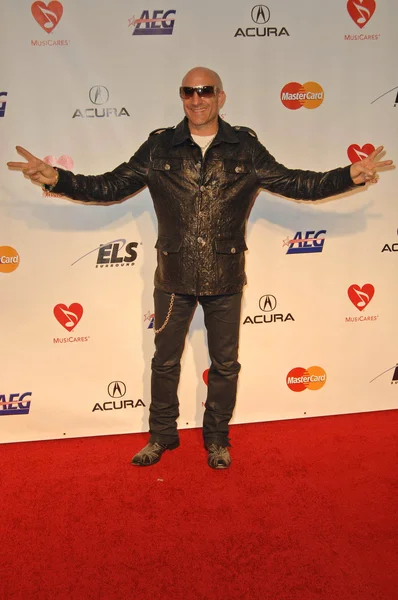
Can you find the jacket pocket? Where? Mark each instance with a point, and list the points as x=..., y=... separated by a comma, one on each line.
x=167, y=164
x=231, y=262
x=169, y=259
x=237, y=167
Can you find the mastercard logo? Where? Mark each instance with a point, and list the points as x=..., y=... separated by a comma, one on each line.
x=294, y=95
x=9, y=259
x=299, y=379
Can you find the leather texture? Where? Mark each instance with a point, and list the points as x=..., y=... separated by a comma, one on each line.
x=202, y=204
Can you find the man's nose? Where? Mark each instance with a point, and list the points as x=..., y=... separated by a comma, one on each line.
x=195, y=98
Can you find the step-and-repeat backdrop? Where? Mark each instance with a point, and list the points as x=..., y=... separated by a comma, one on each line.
x=81, y=86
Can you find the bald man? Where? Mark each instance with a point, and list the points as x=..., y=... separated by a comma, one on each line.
x=203, y=176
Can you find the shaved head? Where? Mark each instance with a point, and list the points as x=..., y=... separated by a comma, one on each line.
x=202, y=76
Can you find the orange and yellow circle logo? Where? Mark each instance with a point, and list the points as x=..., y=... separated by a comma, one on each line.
x=9, y=259
x=299, y=379
x=294, y=95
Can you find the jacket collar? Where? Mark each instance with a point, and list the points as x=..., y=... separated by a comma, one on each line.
x=225, y=133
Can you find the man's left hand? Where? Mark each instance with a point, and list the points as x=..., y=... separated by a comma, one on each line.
x=365, y=171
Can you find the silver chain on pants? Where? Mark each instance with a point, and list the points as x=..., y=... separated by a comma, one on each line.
x=167, y=316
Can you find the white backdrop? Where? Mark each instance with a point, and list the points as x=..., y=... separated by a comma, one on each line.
x=82, y=84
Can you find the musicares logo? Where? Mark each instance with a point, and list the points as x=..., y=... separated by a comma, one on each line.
x=361, y=296
x=47, y=15
x=64, y=161
x=361, y=11
x=356, y=153
x=68, y=316
x=294, y=95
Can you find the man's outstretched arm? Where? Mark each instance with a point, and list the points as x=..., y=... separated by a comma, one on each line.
x=125, y=180
x=312, y=185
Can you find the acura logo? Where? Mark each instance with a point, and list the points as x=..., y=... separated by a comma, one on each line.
x=260, y=14
x=116, y=389
x=98, y=94
x=267, y=303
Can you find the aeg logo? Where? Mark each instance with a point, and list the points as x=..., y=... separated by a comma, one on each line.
x=309, y=243
x=14, y=404
x=161, y=23
x=3, y=104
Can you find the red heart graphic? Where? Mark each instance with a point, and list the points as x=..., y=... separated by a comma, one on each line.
x=205, y=376
x=47, y=15
x=361, y=296
x=63, y=161
x=68, y=316
x=356, y=153
x=361, y=11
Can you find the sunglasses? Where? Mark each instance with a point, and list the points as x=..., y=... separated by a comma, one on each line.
x=203, y=91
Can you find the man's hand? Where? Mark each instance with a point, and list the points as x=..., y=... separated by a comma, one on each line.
x=364, y=171
x=35, y=169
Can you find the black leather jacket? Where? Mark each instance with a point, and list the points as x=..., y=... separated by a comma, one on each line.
x=202, y=205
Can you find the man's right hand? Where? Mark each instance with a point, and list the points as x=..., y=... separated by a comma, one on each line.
x=35, y=169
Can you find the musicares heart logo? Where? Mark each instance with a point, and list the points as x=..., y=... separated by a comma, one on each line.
x=361, y=296
x=361, y=11
x=47, y=15
x=356, y=153
x=68, y=316
x=63, y=161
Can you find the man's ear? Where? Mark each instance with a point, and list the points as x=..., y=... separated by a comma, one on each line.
x=221, y=98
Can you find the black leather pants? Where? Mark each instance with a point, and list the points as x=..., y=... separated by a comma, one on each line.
x=222, y=320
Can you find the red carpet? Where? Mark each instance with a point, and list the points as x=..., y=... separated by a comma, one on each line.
x=307, y=511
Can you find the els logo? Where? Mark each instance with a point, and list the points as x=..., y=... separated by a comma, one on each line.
x=356, y=153
x=385, y=94
x=361, y=296
x=160, y=23
x=68, y=316
x=47, y=15
x=294, y=95
x=394, y=379
x=310, y=243
x=361, y=11
x=3, y=104
x=108, y=254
